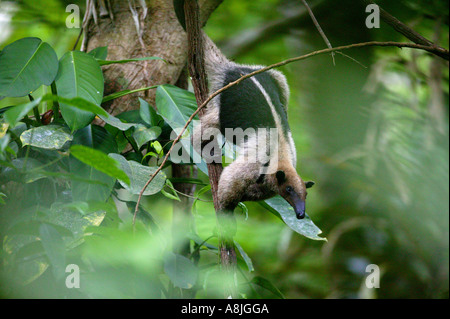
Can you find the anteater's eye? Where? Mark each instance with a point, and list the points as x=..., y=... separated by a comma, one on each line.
x=289, y=189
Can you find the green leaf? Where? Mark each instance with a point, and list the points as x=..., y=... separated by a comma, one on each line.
x=80, y=103
x=174, y=194
x=79, y=76
x=105, y=62
x=3, y=128
x=30, y=251
x=246, y=258
x=279, y=207
x=203, y=190
x=100, y=161
x=244, y=209
x=125, y=92
x=32, y=227
x=16, y=113
x=181, y=271
x=143, y=134
x=199, y=241
x=148, y=113
x=158, y=148
x=18, y=173
x=25, y=65
x=199, y=193
x=145, y=217
x=99, y=53
x=139, y=175
x=176, y=105
x=83, y=186
x=50, y=137
x=2, y=196
x=131, y=117
x=54, y=248
x=117, y=123
x=77, y=216
x=264, y=283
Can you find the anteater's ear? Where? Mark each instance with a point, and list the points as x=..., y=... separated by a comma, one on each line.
x=309, y=184
x=281, y=177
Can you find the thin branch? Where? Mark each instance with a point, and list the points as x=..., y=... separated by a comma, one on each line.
x=246, y=40
x=352, y=59
x=319, y=28
x=189, y=196
x=276, y=65
x=409, y=33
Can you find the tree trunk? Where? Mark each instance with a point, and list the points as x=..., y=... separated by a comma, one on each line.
x=161, y=36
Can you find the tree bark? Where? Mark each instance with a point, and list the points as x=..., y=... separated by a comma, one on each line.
x=225, y=219
x=162, y=36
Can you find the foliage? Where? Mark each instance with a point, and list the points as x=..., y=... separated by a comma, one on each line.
x=82, y=167
x=369, y=136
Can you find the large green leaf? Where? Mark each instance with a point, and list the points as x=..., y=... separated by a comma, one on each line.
x=148, y=114
x=25, y=65
x=55, y=249
x=116, y=95
x=266, y=284
x=99, y=53
x=143, y=134
x=142, y=215
x=100, y=161
x=117, y=123
x=139, y=175
x=82, y=187
x=79, y=76
x=279, y=207
x=77, y=216
x=51, y=137
x=132, y=116
x=79, y=103
x=181, y=271
x=32, y=228
x=23, y=170
x=247, y=259
x=16, y=113
x=176, y=105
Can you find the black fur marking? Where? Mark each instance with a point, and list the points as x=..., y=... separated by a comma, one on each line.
x=260, y=179
x=244, y=105
x=281, y=177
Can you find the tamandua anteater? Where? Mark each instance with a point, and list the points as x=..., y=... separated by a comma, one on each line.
x=257, y=104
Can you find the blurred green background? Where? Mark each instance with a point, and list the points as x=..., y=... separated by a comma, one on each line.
x=371, y=131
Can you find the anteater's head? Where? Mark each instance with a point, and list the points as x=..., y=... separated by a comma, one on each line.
x=292, y=188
